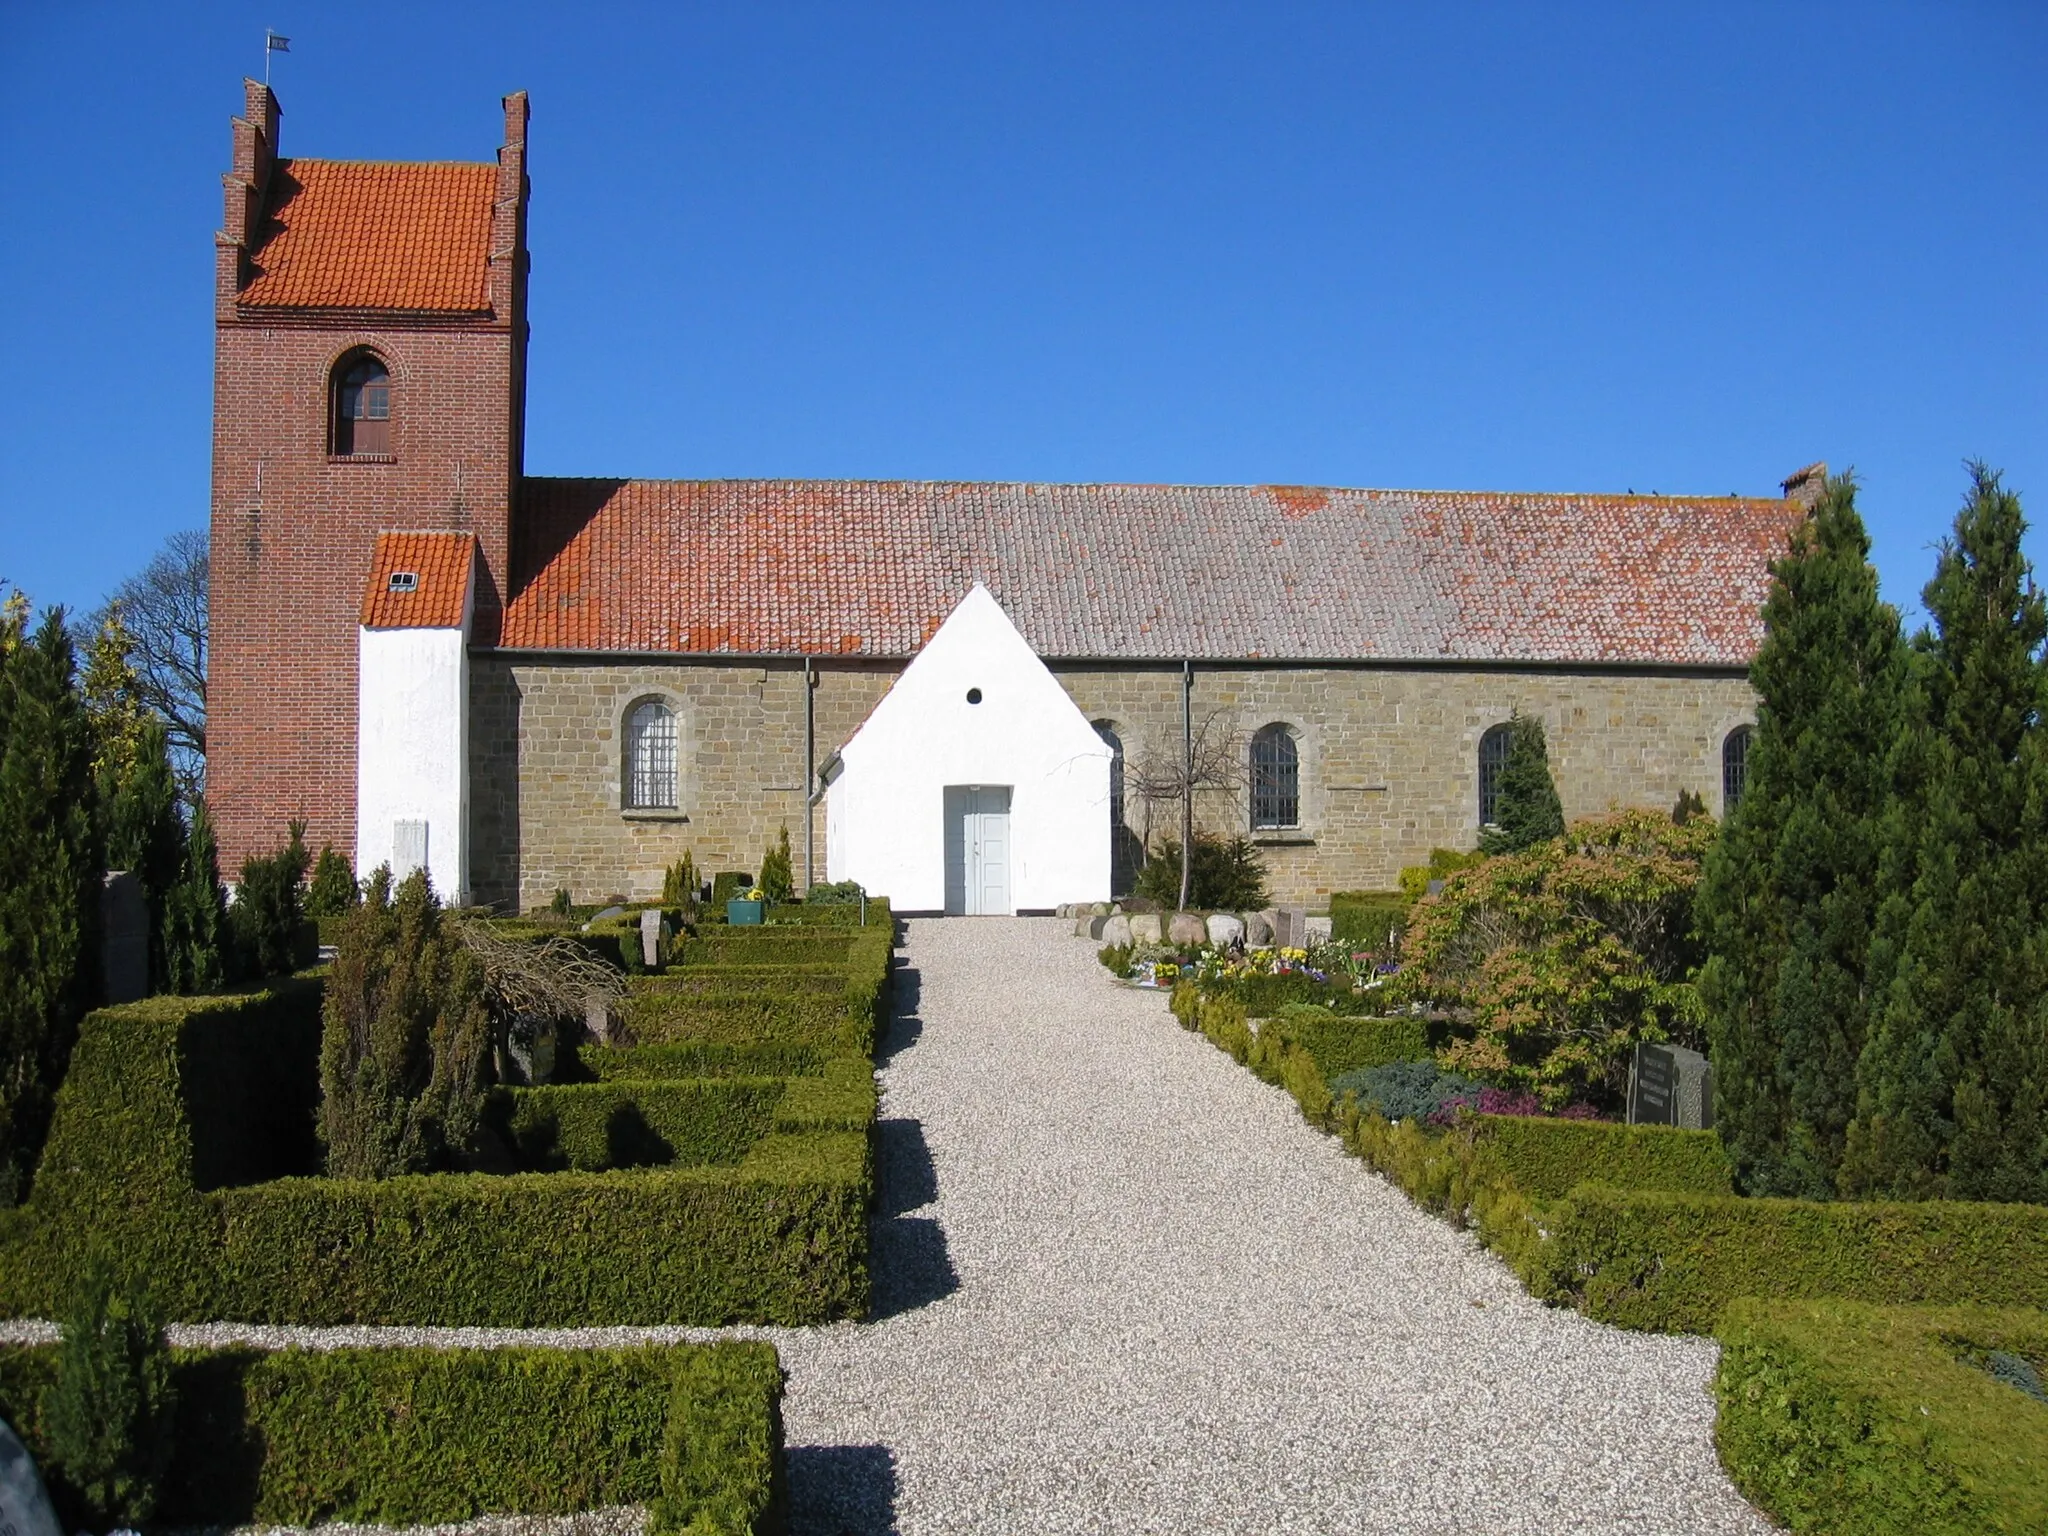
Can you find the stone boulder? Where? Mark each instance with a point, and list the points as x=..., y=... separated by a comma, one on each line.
x=1187, y=928
x=1258, y=930
x=24, y=1506
x=1097, y=926
x=1225, y=930
x=1145, y=928
x=1116, y=931
x=1102, y=909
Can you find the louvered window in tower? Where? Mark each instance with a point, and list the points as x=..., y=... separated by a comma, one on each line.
x=651, y=757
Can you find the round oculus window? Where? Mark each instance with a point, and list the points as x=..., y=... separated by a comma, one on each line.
x=974, y=695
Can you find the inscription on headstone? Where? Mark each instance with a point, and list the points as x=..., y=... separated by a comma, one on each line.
x=1653, y=1087
x=124, y=951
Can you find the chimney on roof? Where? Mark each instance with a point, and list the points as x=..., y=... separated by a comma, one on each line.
x=1806, y=486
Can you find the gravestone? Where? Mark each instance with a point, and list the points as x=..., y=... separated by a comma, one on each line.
x=1290, y=927
x=24, y=1505
x=650, y=937
x=1695, y=1090
x=124, y=949
x=1653, y=1087
x=1258, y=929
x=1317, y=930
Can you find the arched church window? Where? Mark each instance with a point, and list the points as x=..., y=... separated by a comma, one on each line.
x=362, y=405
x=1493, y=757
x=1276, y=779
x=651, y=757
x=1735, y=766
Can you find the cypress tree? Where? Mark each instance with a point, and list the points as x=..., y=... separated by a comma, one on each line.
x=197, y=947
x=1527, y=811
x=49, y=888
x=1785, y=904
x=1950, y=1085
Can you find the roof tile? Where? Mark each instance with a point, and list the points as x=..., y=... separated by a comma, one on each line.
x=353, y=235
x=438, y=595
x=1142, y=571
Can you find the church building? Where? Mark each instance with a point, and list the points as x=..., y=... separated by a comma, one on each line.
x=974, y=697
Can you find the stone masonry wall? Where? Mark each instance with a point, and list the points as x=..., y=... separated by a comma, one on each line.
x=1389, y=759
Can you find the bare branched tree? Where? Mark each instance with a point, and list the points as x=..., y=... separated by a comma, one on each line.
x=164, y=608
x=1213, y=762
x=556, y=979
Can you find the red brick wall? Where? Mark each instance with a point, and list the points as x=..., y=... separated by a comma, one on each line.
x=293, y=528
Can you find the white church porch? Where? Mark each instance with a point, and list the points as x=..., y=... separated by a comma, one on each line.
x=976, y=785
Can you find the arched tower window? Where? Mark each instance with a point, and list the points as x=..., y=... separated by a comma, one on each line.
x=1276, y=779
x=1735, y=766
x=1493, y=757
x=362, y=405
x=651, y=757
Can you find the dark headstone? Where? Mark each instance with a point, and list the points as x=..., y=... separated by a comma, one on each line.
x=1653, y=1087
x=124, y=950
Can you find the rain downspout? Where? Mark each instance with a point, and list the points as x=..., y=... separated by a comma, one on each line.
x=810, y=774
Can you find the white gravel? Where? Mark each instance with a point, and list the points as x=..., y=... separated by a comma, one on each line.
x=1123, y=1287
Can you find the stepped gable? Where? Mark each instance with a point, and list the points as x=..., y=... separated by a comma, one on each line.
x=343, y=234
x=870, y=568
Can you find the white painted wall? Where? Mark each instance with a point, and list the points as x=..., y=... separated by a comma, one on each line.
x=412, y=750
x=885, y=812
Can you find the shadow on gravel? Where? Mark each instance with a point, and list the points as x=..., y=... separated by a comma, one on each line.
x=906, y=988
x=841, y=1490
x=910, y=1264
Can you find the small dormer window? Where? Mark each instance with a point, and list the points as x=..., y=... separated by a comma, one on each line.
x=405, y=581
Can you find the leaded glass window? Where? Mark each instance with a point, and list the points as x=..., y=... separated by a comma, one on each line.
x=1493, y=757
x=651, y=757
x=1276, y=779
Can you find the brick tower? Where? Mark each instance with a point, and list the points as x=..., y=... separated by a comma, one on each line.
x=369, y=376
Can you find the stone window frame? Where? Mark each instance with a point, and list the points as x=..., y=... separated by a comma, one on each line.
x=1308, y=806
x=629, y=700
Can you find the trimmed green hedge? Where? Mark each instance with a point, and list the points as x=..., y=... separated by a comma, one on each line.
x=827, y=979
x=769, y=946
x=1364, y=917
x=658, y=1063
x=402, y=1436
x=1263, y=996
x=676, y=1018
x=1547, y=1158
x=1670, y=1262
x=1342, y=1043
x=780, y=1238
x=594, y=1126
x=1871, y=1421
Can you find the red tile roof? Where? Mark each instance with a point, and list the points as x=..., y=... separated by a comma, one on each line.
x=439, y=564
x=1112, y=571
x=344, y=234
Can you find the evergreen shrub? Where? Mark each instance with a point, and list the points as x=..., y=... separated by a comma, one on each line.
x=777, y=883
x=1407, y=1090
x=1343, y=1043
x=199, y=949
x=1365, y=918
x=1871, y=1421
x=403, y=1436
x=269, y=914
x=1226, y=876
x=594, y=1126
x=728, y=884
x=333, y=891
x=109, y=1413
x=1527, y=812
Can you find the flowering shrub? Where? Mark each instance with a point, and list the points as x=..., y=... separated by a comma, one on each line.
x=1565, y=956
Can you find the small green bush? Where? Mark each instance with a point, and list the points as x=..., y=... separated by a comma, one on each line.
x=1869, y=1421
x=333, y=892
x=1116, y=957
x=680, y=885
x=404, y=1436
x=109, y=1413
x=777, y=883
x=1367, y=917
x=1226, y=876
x=1404, y=1090
x=728, y=884
x=843, y=893
x=269, y=914
x=1548, y=1158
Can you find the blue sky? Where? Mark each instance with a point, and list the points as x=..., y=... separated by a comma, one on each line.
x=1541, y=247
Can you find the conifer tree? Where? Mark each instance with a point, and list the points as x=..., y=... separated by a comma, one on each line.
x=1785, y=903
x=197, y=948
x=1527, y=810
x=145, y=834
x=406, y=1038
x=109, y=1414
x=1951, y=1083
x=49, y=887
x=333, y=891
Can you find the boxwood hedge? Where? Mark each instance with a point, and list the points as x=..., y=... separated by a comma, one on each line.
x=1876, y=1421
x=594, y=1126
x=402, y=1436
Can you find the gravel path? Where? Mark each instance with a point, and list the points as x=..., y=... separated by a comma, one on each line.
x=1133, y=1291
x=1122, y=1287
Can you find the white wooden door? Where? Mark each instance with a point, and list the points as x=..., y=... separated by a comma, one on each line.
x=978, y=850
